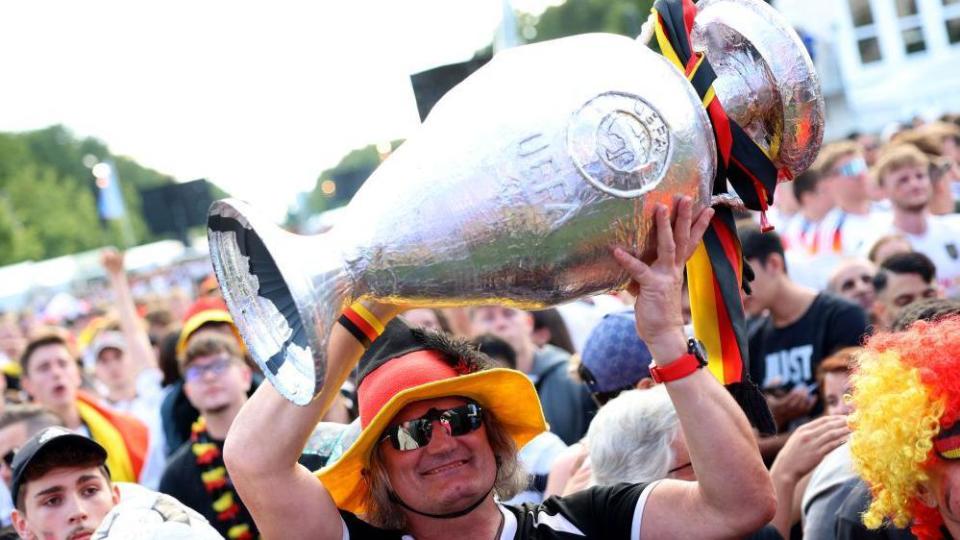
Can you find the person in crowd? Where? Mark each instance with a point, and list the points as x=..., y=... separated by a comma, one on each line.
x=216, y=381
x=125, y=363
x=62, y=488
x=550, y=329
x=614, y=359
x=906, y=437
x=836, y=497
x=902, y=280
x=903, y=173
x=806, y=448
x=802, y=328
x=440, y=433
x=431, y=319
x=869, y=145
x=832, y=476
x=853, y=220
x=566, y=404
x=636, y=437
x=51, y=377
x=833, y=375
x=17, y=424
x=853, y=279
x=815, y=200
x=886, y=246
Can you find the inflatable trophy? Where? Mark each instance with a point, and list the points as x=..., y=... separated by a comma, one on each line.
x=518, y=184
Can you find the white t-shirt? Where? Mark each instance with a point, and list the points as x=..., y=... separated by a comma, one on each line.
x=146, y=408
x=941, y=242
x=847, y=234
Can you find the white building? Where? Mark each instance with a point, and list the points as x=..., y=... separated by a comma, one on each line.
x=882, y=61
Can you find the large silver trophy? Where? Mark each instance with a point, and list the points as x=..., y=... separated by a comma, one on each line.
x=518, y=184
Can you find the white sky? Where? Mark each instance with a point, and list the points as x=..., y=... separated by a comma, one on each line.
x=256, y=97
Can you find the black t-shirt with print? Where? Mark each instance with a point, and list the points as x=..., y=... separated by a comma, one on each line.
x=600, y=512
x=789, y=356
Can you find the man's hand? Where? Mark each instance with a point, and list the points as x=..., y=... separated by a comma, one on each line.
x=657, y=286
x=112, y=260
x=785, y=408
x=807, y=446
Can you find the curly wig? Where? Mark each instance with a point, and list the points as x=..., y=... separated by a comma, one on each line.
x=906, y=388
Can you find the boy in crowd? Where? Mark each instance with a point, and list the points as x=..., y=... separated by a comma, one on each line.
x=62, y=489
x=903, y=173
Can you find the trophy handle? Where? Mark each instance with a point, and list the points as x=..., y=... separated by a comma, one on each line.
x=284, y=291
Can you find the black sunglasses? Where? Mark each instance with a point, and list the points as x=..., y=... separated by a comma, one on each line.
x=8, y=457
x=417, y=433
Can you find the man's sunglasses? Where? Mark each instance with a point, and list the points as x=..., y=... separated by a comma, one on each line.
x=417, y=433
x=852, y=167
x=8, y=457
x=195, y=372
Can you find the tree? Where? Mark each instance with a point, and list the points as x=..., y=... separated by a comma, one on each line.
x=573, y=17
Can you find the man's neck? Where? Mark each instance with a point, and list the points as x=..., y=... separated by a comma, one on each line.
x=218, y=423
x=858, y=207
x=793, y=301
x=811, y=215
x=481, y=524
x=70, y=416
x=525, y=358
x=914, y=223
x=121, y=393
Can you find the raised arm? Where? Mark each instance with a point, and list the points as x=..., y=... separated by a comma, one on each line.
x=733, y=495
x=266, y=439
x=134, y=333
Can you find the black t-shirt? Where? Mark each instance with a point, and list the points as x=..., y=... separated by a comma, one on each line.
x=600, y=512
x=789, y=356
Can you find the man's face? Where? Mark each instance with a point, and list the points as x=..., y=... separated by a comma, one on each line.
x=446, y=475
x=849, y=179
x=944, y=487
x=901, y=291
x=65, y=504
x=763, y=288
x=424, y=318
x=511, y=325
x=113, y=368
x=835, y=386
x=908, y=187
x=854, y=282
x=819, y=201
x=216, y=382
x=12, y=438
x=52, y=377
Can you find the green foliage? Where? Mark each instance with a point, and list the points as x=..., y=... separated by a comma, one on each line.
x=48, y=197
x=349, y=174
x=582, y=16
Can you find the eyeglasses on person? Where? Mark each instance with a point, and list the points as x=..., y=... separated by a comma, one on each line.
x=417, y=433
x=195, y=372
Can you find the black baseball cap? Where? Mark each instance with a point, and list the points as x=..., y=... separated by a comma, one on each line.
x=44, y=441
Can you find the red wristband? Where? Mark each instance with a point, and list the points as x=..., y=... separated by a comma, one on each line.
x=678, y=369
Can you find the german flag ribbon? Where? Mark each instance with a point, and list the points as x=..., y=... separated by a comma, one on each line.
x=715, y=272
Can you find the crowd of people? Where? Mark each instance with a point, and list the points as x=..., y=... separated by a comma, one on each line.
x=145, y=417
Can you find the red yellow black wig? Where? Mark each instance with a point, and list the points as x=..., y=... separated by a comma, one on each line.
x=906, y=389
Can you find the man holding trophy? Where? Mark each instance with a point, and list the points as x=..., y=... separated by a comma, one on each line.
x=431, y=441
x=549, y=174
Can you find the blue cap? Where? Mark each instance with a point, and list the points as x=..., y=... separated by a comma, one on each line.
x=615, y=355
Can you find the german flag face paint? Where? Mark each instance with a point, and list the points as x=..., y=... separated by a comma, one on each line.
x=947, y=443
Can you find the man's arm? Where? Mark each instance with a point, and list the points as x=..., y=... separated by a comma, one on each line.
x=733, y=494
x=266, y=439
x=134, y=334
